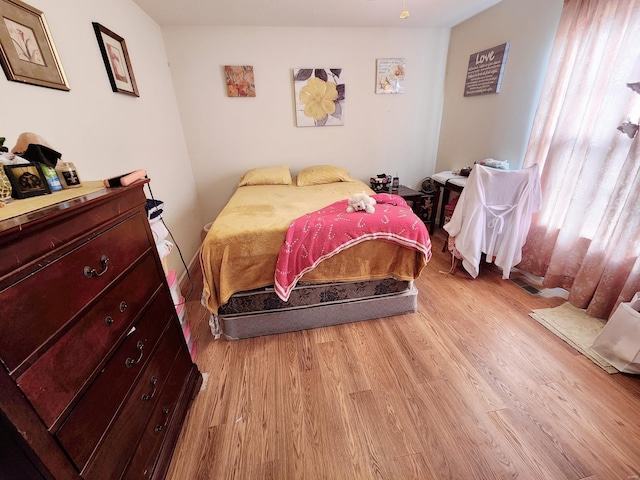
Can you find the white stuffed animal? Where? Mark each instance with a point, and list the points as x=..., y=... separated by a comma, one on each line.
x=361, y=201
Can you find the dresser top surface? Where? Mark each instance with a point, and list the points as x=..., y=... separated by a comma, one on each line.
x=20, y=212
x=17, y=208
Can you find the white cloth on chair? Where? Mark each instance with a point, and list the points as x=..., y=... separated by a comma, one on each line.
x=493, y=216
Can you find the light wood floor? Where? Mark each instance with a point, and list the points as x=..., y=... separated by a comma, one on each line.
x=469, y=387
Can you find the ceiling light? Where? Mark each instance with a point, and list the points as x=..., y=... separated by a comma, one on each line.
x=405, y=13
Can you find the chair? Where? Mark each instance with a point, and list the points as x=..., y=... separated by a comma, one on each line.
x=493, y=216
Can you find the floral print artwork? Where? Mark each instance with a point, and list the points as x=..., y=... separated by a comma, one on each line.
x=25, y=43
x=117, y=63
x=320, y=94
x=390, y=78
x=240, y=81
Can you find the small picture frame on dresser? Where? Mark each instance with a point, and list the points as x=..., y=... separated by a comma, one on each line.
x=27, y=180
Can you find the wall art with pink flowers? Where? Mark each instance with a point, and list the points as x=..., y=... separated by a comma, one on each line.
x=240, y=81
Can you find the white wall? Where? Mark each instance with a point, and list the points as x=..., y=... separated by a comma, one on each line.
x=382, y=133
x=105, y=133
x=195, y=142
x=497, y=125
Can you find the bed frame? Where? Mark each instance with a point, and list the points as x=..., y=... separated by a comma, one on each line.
x=261, y=312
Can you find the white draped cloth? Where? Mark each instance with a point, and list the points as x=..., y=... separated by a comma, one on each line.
x=493, y=216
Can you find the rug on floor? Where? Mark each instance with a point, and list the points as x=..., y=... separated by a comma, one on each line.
x=576, y=328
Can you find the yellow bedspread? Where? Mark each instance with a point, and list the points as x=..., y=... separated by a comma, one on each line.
x=241, y=249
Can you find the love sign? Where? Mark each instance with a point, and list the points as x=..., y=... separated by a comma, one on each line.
x=484, y=74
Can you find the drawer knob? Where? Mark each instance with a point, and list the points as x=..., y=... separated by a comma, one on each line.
x=159, y=428
x=130, y=362
x=109, y=321
x=148, y=396
x=123, y=306
x=92, y=272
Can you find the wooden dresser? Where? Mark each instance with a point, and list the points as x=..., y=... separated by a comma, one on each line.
x=95, y=375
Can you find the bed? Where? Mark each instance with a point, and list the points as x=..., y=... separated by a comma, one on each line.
x=360, y=281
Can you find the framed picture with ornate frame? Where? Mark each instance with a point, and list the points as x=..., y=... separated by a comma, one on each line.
x=116, y=60
x=27, y=51
x=27, y=180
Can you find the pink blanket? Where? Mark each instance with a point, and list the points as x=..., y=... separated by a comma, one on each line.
x=321, y=234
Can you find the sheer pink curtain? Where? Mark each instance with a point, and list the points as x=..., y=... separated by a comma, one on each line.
x=586, y=238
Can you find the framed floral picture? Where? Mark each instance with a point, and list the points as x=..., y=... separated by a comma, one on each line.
x=116, y=61
x=390, y=75
x=27, y=51
x=240, y=81
x=320, y=96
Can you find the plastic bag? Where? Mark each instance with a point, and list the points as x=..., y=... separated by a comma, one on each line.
x=619, y=341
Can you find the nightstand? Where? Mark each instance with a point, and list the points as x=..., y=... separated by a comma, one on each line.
x=411, y=195
x=415, y=197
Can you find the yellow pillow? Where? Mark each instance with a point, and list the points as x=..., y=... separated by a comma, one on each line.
x=320, y=174
x=279, y=175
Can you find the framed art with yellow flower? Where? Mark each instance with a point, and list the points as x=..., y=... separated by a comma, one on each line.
x=240, y=81
x=320, y=95
x=27, y=52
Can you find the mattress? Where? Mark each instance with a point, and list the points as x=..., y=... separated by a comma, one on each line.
x=309, y=294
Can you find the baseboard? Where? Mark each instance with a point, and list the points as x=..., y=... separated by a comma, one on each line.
x=194, y=263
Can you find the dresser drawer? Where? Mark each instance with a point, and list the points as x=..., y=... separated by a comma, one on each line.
x=120, y=441
x=59, y=290
x=54, y=380
x=144, y=459
x=44, y=231
x=86, y=424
